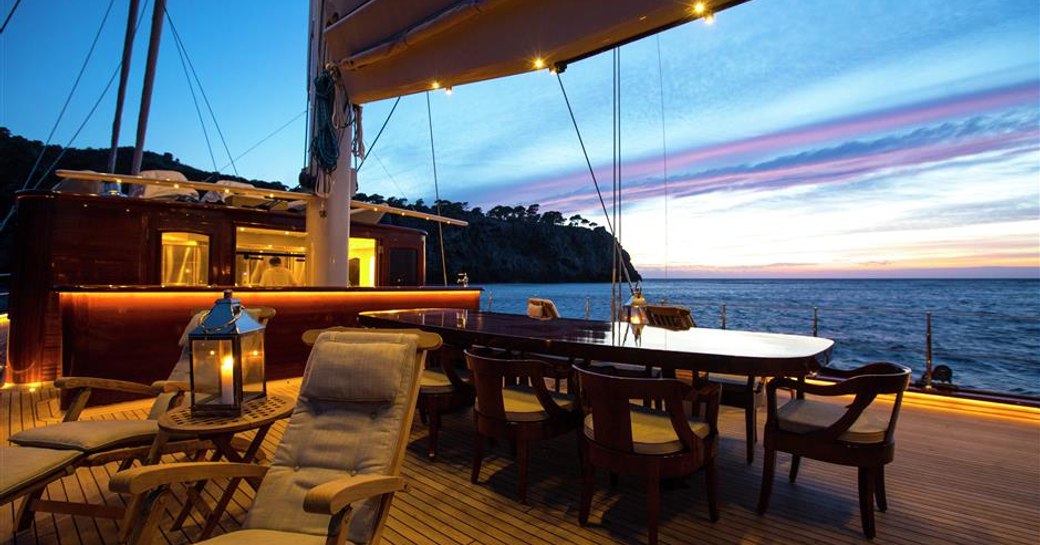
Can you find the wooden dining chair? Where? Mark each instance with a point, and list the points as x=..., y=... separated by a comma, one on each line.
x=672, y=317
x=517, y=413
x=629, y=439
x=851, y=434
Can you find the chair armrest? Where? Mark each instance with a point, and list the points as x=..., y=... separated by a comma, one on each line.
x=171, y=386
x=142, y=479
x=72, y=383
x=332, y=497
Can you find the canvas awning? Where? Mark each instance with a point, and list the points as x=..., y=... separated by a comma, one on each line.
x=389, y=48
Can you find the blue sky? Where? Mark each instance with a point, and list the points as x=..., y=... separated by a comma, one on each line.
x=886, y=138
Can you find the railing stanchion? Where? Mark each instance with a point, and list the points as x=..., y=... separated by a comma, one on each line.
x=815, y=321
x=490, y=296
x=723, y=315
x=586, y=307
x=928, y=351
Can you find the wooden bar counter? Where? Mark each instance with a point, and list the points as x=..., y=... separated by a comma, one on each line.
x=131, y=333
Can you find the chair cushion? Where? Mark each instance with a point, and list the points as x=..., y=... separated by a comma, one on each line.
x=434, y=381
x=521, y=404
x=809, y=415
x=652, y=431
x=264, y=537
x=364, y=372
x=23, y=465
x=88, y=435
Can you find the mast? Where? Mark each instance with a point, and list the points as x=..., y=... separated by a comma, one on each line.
x=124, y=74
x=149, y=79
x=328, y=215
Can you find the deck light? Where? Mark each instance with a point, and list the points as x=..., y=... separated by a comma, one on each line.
x=539, y=63
x=435, y=85
x=709, y=19
x=699, y=8
x=227, y=359
x=635, y=309
x=447, y=90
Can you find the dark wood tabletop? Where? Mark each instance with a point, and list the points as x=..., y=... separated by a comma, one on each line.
x=698, y=349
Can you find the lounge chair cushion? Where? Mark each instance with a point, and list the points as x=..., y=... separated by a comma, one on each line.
x=809, y=415
x=652, y=431
x=521, y=404
x=21, y=466
x=264, y=537
x=371, y=375
x=88, y=435
x=327, y=439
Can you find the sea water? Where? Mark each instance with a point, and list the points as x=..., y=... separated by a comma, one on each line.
x=986, y=331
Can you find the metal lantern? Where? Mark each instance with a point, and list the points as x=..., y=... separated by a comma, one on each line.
x=227, y=359
x=635, y=309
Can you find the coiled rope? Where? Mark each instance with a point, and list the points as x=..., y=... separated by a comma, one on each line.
x=325, y=144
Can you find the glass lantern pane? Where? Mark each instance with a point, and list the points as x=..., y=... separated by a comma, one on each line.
x=253, y=365
x=213, y=372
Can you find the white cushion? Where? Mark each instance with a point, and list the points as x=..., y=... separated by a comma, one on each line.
x=20, y=466
x=521, y=404
x=652, y=431
x=88, y=435
x=808, y=415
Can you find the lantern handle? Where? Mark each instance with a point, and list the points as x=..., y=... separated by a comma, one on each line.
x=234, y=318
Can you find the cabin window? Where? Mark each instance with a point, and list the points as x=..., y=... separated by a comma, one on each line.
x=185, y=259
x=404, y=267
x=254, y=249
x=362, y=271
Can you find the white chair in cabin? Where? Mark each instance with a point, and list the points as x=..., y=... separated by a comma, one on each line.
x=336, y=470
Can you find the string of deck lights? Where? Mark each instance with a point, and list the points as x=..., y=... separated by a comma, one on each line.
x=700, y=9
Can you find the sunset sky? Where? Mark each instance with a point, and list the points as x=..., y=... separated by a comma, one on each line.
x=804, y=138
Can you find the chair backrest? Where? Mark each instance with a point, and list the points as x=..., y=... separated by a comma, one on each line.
x=607, y=399
x=352, y=416
x=425, y=337
x=669, y=317
x=181, y=371
x=542, y=309
x=490, y=375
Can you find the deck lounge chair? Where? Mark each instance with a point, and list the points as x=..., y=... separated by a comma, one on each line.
x=48, y=453
x=341, y=452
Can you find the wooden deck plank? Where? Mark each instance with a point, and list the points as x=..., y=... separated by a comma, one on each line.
x=958, y=477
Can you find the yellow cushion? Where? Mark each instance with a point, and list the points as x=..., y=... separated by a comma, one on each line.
x=808, y=415
x=521, y=404
x=652, y=431
x=434, y=381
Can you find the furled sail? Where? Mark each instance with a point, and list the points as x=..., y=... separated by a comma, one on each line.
x=388, y=48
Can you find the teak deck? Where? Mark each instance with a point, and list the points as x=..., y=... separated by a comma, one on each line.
x=964, y=473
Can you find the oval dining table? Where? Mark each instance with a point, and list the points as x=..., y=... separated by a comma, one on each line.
x=696, y=349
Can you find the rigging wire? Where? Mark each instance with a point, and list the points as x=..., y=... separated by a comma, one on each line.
x=202, y=90
x=191, y=87
x=391, y=176
x=664, y=153
x=68, y=99
x=592, y=172
x=256, y=145
x=615, y=287
x=436, y=191
x=378, y=134
x=9, y=15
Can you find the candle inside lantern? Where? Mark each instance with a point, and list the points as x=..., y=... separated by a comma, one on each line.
x=227, y=380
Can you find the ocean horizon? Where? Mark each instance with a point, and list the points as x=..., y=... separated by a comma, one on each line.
x=986, y=330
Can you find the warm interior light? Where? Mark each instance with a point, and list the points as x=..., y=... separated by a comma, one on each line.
x=699, y=8
x=539, y=63
x=435, y=85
